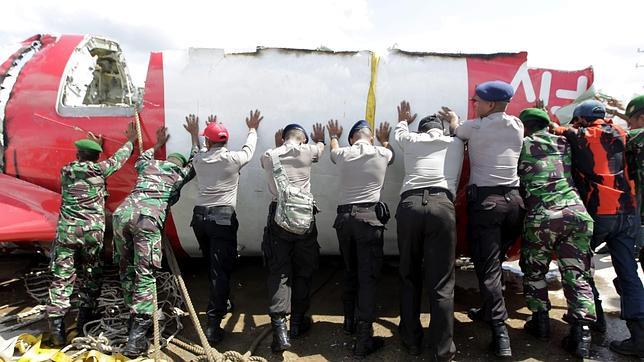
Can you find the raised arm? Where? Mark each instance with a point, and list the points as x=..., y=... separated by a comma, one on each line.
x=318, y=137
x=382, y=135
x=248, y=149
x=446, y=114
x=118, y=159
x=405, y=118
x=335, y=131
x=192, y=126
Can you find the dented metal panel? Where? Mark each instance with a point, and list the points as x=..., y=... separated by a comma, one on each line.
x=96, y=81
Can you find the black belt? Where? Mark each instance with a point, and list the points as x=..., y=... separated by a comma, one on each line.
x=429, y=190
x=206, y=210
x=349, y=207
x=495, y=190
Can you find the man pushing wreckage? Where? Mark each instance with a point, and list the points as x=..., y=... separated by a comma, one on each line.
x=563, y=196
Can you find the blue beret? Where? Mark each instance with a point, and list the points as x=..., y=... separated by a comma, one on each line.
x=590, y=109
x=356, y=127
x=294, y=126
x=495, y=91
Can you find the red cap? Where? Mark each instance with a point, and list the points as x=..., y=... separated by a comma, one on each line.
x=215, y=132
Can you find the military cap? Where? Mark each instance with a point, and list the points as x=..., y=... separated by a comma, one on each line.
x=534, y=114
x=295, y=126
x=429, y=122
x=635, y=105
x=495, y=91
x=88, y=145
x=178, y=156
x=358, y=126
x=590, y=109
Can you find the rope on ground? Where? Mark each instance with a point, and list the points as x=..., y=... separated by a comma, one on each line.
x=211, y=353
x=156, y=332
x=109, y=333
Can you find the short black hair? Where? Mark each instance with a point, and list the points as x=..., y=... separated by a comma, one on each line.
x=535, y=123
x=88, y=155
x=637, y=114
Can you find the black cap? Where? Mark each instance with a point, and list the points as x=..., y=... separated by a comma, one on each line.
x=356, y=127
x=430, y=122
x=294, y=126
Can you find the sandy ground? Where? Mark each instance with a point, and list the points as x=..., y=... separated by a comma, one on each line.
x=326, y=340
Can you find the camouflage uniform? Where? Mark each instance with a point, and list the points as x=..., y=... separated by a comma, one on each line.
x=79, y=234
x=635, y=159
x=138, y=223
x=556, y=222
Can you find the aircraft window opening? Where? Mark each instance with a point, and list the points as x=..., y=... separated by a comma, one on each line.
x=96, y=82
x=107, y=82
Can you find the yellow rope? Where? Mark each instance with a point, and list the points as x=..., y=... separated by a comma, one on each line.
x=370, y=113
x=139, y=135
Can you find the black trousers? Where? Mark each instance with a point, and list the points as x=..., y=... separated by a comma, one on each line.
x=218, y=243
x=495, y=221
x=427, y=246
x=361, y=242
x=291, y=260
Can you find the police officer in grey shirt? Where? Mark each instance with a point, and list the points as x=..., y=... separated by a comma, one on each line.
x=360, y=225
x=214, y=220
x=291, y=258
x=427, y=231
x=495, y=207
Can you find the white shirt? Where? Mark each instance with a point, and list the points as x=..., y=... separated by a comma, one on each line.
x=431, y=159
x=296, y=159
x=362, y=171
x=494, y=145
x=217, y=172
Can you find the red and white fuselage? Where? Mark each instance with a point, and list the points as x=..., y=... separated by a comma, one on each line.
x=56, y=98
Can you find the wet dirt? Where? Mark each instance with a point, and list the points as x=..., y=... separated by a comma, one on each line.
x=327, y=342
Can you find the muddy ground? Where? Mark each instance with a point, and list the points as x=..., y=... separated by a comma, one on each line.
x=326, y=340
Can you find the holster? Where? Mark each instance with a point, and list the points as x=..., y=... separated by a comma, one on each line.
x=382, y=212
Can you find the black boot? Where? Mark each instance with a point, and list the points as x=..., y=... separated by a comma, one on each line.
x=475, y=314
x=578, y=341
x=500, y=340
x=214, y=332
x=85, y=315
x=366, y=343
x=633, y=346
x=349, y=325
x=538, y=325
x=600, y=324
x=300, y=324
x=137, y=341
x=281, y=341
x=57, y=331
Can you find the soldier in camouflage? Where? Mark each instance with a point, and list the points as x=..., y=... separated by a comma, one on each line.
x=79, y=234
x=635, y=156
x=138, y=224
x=556, y=222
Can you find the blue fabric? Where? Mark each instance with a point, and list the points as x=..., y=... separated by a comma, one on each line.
x=621, y=234
x=356, y=127
x=295, y=126
x=495, y=91
x=590, y=109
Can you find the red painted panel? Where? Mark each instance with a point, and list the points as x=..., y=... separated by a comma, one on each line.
x=27, y=212
x=152, y=117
